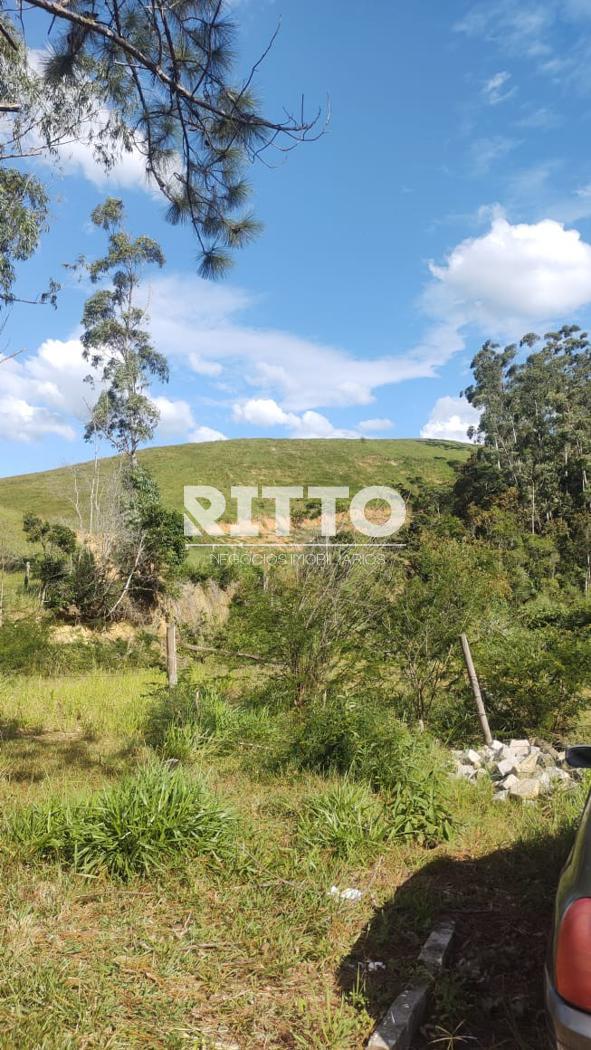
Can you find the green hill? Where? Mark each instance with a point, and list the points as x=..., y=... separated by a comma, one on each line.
x=263, y=461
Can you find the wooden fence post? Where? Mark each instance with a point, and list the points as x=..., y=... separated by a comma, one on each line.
x=171, y=665
x=476, y=689
x=27, y=574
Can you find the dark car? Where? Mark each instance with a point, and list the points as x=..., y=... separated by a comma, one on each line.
x=568, y=971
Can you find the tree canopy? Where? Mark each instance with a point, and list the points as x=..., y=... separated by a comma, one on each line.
x=157, y=77
x=535, y=432
x=115, y=341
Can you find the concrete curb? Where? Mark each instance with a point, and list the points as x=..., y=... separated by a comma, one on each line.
x=400, y=1024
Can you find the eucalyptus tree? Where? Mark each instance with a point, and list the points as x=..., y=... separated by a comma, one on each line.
x=115, y=340
x=535, y=434
x=156, y=77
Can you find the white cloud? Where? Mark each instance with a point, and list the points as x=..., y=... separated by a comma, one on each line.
x=513, y=274
x=201, y=434
x=46, y=393
x=128, y=171
x=195, y=322
x=265, y=412
x=495, y=89
x=41, y=395
x=56, y=373
x=315, y=425
x=205, y=368
x=509, y=279
x=373, y=426
x=517, y=28
x=533, y=30
x=77, y=156
x=176, y=417
x=541, y=118
x=450, y=419
x=177, y=420
x=21, y=421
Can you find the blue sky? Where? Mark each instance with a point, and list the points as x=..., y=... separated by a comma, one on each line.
x=448, y=202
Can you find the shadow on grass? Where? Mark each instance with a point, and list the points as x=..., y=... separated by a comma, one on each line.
x=14, y=729
x=492, y=994
x=33, y=756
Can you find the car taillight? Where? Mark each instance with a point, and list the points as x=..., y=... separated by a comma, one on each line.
x=573, y=955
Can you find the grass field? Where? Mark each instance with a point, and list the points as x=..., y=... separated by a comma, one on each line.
x=255, y=953
x=244, y=462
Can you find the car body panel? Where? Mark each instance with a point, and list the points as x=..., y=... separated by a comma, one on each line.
x=571, y=1026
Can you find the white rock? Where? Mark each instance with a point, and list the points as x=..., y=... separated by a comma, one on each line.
x=465, y=772
x=500, y=796
x=525, y=789
x=496, y=747
x=509, y=782
x=519, y=746
x=562, y=776
x=558, y=774
x=505, y=766
x=473, y=758
x=527, y=766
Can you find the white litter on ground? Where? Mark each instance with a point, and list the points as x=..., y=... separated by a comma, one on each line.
x=350, y=894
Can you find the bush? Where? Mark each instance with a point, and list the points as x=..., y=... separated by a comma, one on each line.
x=353, y=822
x=535, y=680
x=26, y=647
x=132, y=829
x=188, y=717
x=418, y=811
x=172, y=711
x=349, y=821
x=365, y=741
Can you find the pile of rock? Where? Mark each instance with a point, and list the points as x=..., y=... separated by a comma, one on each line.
x=522, y=769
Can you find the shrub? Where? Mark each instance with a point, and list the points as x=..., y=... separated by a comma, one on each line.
x=189, y=716
x=365, y=741
x=535, y=680
x=132, y=829
x=172, y=710
x=418, y=811
x=349, y=821
x=26, y=647
x=353, y=822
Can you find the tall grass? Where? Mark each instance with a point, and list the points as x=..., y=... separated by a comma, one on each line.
x=107, y=703
x=189, y=717
x=131, y=829
x=27, y=647
x=349, y=821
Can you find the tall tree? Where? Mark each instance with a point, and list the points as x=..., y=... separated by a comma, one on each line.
x=153, y=76
x=535, y=432
x=115, y=341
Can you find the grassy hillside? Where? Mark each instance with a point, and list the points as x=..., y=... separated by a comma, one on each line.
x=244, y=462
